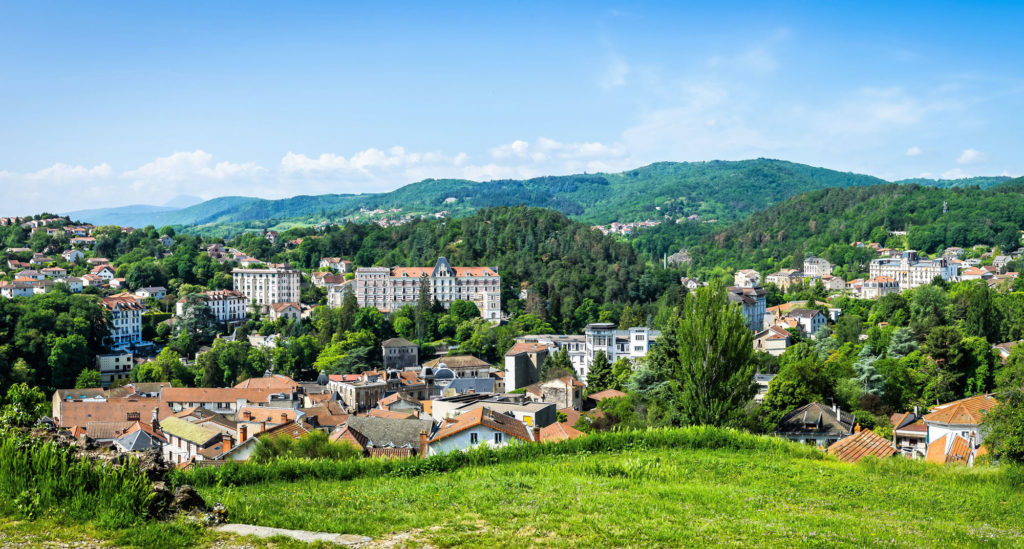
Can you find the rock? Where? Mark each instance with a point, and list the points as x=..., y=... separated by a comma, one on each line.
x=217, y=515
x=162, y=500
x=186, y=500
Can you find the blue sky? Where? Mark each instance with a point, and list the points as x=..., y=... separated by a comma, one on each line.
x=109, y=104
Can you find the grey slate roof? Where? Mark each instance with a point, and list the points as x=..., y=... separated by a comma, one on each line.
x=398, y=433
x=137, y=441
x=816, y=418
x=462, y=385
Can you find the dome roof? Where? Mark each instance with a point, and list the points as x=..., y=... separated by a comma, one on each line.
x=443, y=373
x=322, y=379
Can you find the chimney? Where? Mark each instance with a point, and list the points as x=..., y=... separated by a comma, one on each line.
x=839, y=416
x=243, y=433
x=263, y=426
x=536, y=434
x=225, y=444
x=423, y=444
x=284, y=417
x=856, y=428
x=915, y=412
x=155, y=421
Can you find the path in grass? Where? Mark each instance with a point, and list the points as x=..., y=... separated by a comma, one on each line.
x=652, y=498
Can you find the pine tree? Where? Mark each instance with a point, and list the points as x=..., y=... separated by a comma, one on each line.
x=870, y=380
x=600, y=376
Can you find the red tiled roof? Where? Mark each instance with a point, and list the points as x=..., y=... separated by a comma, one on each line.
x=865, y=443
x=276, y=382
x=968, y=411
x=83, y=412
x=377, y=412
x=486, y=417
x=258, y=414
x=937, y=451
x=607, y=393
x=230, y=394
x=559, y=431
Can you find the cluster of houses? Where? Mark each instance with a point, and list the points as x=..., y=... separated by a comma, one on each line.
x=627, y=228
x=949, y=433
x=406, y=409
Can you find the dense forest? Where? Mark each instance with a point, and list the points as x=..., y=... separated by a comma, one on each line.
x=827, y=221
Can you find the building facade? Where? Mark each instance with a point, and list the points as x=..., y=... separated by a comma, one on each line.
x=275, y=284
x=389, y=289
x=125, y=320
x=910, y=272
x=114, y=367
x=631, y=344
x=816, y=267
x=227, y=306
x=753, y=304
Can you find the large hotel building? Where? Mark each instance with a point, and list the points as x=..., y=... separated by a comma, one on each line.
x=388, y=289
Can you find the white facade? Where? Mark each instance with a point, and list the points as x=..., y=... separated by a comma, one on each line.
x=126, y=320
x=274, y=284
x=816, y=267
x=469, y=438
x=910, y=272
x=114, y=367
x=753, y=304
x=389, y=289
x=632, y=344
x=227, y=306
x=747, y=278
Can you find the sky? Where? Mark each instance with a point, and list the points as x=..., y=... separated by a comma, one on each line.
x=109, y=104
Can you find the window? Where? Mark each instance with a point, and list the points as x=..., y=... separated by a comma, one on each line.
x=497, y=438
x=472, y=438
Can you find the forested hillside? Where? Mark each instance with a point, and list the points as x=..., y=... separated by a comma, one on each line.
x=716, y=190
x=826, y=221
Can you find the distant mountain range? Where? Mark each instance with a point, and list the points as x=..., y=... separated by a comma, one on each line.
x=720, y=190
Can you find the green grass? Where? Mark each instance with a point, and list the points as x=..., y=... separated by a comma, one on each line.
x=666, y=497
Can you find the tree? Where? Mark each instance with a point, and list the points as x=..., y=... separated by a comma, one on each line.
x=556, y=365
x=622, y=370
x=848, y=328
x=600, y=375
x=1005, y=423
x=197, y=320
x=88, y=379
x=69, y=355
x=1011, y=375
x=870, y=380
x=23, y=406
x=715, y=368
x=901, y=343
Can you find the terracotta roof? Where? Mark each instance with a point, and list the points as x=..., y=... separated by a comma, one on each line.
x=461, y=361
x=860, y=445
x=559, y=431
x=275, y=382
x=280, y=307
x=968, y=411
x=107, y=430
x=607, y=393
x=486, y=417
x=188, y=394
x=959, y=451
x=258, y=414
x=376, y=412
x=147, y=428
x=397, y=342
x=122, y=301
x=392, y=453
x=84, y=412
x=937, y=451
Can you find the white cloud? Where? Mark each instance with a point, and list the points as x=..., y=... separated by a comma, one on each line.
x=914, y=151
x=955, y=173
x=971, y=156
x=182, y=166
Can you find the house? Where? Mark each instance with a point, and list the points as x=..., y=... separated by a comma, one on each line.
x=862, y=444
x=975, y=273
x=259, y=418
x=631, y=344
x=1000, y=261
x=461, y=365
x=785, y=278
x=185, y=440
x=155, y=292
x=593, y=399
x=910, y=434
x=55, y=272
x=816, y=267
x=386, y=437
x=359, y=394
x=166, y=241
x=1004, y=349
x=321, y=279
x=523, y=362
x=752, y=303
x=955, y=430
x=222, y=400
x=816, y=424
x=83, y=241
x=140, y=437
x=91, y=280
x=833, y=283
x=539, y=414
x=117, y=282
x=31, y=274
x=773, y=340
x=73, y=283
x=114, y=367
x=808, y=321
x=400, y=353
x=690, y=284
x=276, y=383
x=953, y=252
x=285, y=310
x=243, y=449
x=480, y=426
x=336, y=264
x=878, y=286
x=106, y=272
x=557, y=432
x=763, y=382
x=746, y=278
x=564, y=392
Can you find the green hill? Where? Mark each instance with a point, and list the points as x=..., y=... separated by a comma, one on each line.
x=826, y=221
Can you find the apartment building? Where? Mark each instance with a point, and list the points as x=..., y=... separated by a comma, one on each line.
x=816, y=267
x=275, y=284
x=632, y=344
x=126, y=320
x=390, y=288
x=753, y=304
x=227, y=306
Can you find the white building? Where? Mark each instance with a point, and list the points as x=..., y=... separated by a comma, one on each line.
x=481, y=426
x=275, y=284
x=155, y=292
x=956, y=429
x=752, y=302
x=910, y=272
x=337, y=264
x=816, y=267
x=126, y=320
x=227, y=306
x=878, y=286
x=746, y=278
x=632, y=344
x=389, y=289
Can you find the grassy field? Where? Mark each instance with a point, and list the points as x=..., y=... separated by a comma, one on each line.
x=661, y=497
